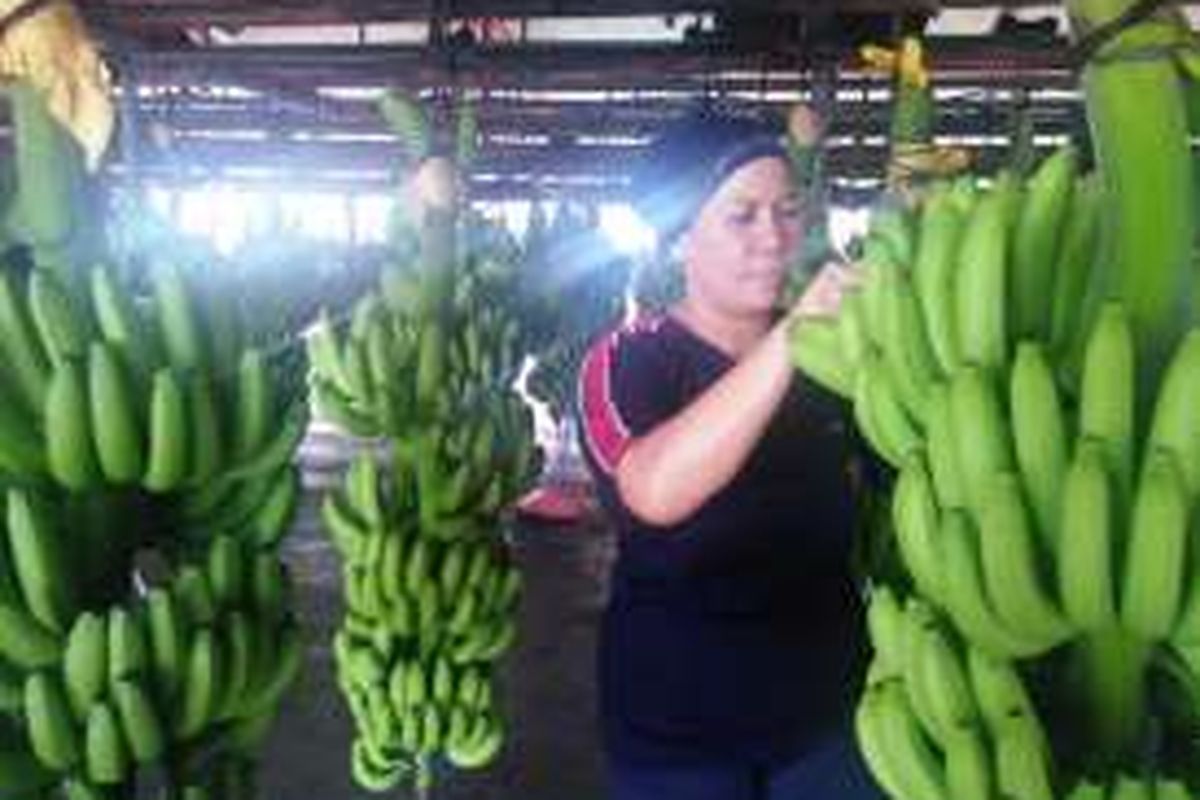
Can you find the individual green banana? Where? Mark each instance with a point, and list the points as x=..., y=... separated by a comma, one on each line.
x=942, y=674
x=52, y=733
x=270, y=522
x=913, y=760
x=1039, y=438
x=226, y=570
x=331, y=404
x=200, y=686
x=85, y=662
x=323, y=353
x=1156, y=554
x=59, y=321
x=1086, y=543
x=128, y=651
x=205, y=435
x=195, y=596
x=966, y=598
x=255, y=405
x=880, y=414
x=119, y=322
x=39, y=560
x=885, y=624
x=815, y=350
x=140, y=721
x=280, y=450
x=1073, y=269
x=179, y=324
x=1174, y=425
x=363, y=490
x=26, y=642
x=107, y=754
x=868, y=730
x=980, y=432
x=20, y=345
x=1023, y=761
x=969, y=773
x=980, y=283
x=915, y=520
x=237, y=675
x=1107, y=396
x=941, y=229
x=22, y=449
x=168, y=641
x=169, y=446
x=369, y=773
x=907, y=353
x=1012, y=566
x=1038, y=238
x=348, y=531
x=119, y=440
x=480, y=747
x=919, y=616
x=70, y=451
x=942, y=450
x=357, y=372
x=999, y=689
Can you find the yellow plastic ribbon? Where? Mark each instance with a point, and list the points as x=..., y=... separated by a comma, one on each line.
x=907, y=63
x=52, y=49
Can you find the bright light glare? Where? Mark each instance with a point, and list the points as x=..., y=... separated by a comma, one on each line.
x=627, y=232
x=846, y=225
x=371, y=216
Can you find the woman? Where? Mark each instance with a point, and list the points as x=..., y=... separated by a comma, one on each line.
x=728, y=655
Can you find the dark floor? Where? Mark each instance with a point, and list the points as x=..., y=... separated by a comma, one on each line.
x=546, y=682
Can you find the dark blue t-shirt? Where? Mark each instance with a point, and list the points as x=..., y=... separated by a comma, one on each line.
x=735, y=633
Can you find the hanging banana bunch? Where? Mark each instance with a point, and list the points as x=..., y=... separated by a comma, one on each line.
x=426, y=364
x=1023, y=352
x=145, y=612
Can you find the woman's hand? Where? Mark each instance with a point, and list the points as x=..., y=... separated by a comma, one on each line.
x=823, y=295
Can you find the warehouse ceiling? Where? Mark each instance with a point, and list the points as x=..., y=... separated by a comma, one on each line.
x=567, y=91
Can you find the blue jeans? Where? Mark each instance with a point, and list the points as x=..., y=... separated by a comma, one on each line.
x=833, y=771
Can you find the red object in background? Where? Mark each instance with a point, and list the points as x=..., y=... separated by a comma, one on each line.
x=558, y=502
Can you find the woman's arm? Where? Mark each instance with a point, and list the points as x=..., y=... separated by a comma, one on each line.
x=666, y=475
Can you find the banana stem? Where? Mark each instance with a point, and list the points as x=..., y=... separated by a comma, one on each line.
x=1138, y=120
x=1111, y=673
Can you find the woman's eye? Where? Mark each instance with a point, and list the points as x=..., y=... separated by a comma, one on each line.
x=789, y=211
x=742, y=218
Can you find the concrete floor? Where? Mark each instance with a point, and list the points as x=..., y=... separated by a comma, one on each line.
x=546, y=684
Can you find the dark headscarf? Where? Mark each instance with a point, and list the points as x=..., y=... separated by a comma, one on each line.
x=691, y=158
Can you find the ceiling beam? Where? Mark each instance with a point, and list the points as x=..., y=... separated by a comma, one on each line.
x=133, y=14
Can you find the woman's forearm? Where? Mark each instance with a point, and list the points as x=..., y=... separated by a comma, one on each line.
x=669, y=473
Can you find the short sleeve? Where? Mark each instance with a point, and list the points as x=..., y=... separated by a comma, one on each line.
x=625, y=390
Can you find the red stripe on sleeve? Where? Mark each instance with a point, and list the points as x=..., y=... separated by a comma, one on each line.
x=606, y=433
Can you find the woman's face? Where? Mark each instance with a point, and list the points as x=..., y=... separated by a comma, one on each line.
x=738, y=249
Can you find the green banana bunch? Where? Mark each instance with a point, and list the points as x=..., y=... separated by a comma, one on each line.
x=947, y=719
